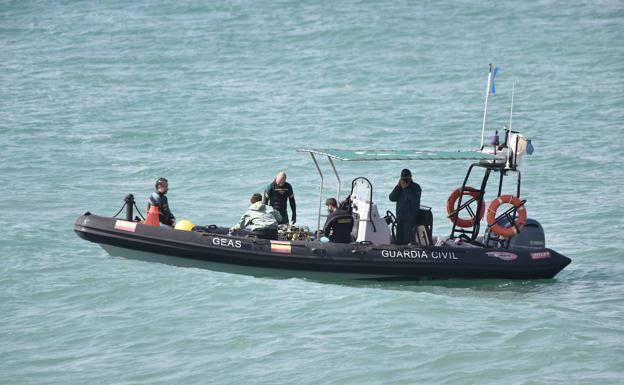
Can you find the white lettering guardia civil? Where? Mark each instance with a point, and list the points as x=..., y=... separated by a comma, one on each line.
x=443, y=255
x=411, y=254
x=227, y=242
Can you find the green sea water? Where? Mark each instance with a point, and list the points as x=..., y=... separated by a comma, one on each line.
x=98, y=99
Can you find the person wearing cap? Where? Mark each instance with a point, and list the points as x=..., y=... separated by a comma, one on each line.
x=406, y=194
x=277, y=193
x=261, y=219
x=339, y=223
x=159, y=198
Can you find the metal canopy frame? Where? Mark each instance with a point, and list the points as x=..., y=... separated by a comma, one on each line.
x=390, y=155
x=386, y=155
x=472, y=232
x=318, y=168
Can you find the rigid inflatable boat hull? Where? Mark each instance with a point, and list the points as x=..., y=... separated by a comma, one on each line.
x=314, y=260
x=234, y=269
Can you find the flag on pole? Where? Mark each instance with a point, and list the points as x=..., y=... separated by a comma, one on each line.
x=492, y=88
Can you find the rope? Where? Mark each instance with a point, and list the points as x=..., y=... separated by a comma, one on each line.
x=120, y=210
x=138, y=211
x=124, y=206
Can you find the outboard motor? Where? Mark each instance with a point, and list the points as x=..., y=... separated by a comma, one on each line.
x=531, y=236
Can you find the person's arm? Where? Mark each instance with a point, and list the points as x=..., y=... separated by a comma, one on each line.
x=396, y=193
x=331, y=230
x=327, y=226
x=277, y=215
x=413, y=197
x=170, y=217
x=166, y=216
x=267, y=193
x=415, y=192
x=242, y=223
x=154, y=200
x=293, y=207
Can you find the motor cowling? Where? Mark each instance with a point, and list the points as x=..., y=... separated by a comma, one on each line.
x=531, y=236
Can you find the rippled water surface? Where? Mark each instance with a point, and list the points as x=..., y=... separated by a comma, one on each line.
x=98, y=99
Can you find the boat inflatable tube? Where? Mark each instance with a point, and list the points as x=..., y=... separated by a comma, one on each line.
x=453, y=214
x=214, y=248
x=519, y=223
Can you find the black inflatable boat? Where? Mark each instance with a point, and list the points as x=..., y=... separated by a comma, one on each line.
x=512, y=246
x=213, y=248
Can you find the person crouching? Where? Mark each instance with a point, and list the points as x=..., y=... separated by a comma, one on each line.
x=339, y=223
x=261, y=219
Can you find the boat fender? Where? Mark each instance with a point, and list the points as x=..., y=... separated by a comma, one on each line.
x=452, y=213
x=519, y=223
x=184, y=225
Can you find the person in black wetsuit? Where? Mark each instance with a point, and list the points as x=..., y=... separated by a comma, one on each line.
x=277, y=193
x=159, y=198
x=406, y=194
x=339, y=223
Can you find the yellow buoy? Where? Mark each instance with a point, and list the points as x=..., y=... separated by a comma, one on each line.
x=184, y=225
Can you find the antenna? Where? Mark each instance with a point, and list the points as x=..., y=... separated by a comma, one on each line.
x=513, y=89
x=487, y=93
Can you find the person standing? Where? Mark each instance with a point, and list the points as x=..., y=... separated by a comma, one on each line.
x=277, y=193
x=406, y=194
x=159, y=198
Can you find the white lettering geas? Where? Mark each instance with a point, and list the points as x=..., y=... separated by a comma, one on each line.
x=226, y=242
x=418, y=254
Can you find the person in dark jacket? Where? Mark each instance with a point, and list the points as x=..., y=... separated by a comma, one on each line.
x=159, y=198
x=406, y=194
x=339, y=223
x=277, y=193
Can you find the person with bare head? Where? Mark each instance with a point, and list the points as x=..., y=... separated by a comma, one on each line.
x=339, y=223
x=260, y=219
x=159, y=198
x=277, y=193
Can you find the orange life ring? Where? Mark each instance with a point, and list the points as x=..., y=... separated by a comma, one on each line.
x=450, y=207
x=507, y=232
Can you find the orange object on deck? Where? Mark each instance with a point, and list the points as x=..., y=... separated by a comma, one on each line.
x=153, y=216
x=453, y=213
x=519, y=223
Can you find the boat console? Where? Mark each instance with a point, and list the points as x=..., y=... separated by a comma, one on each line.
x=369, y=225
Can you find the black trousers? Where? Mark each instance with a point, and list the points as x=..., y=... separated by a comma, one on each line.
x=405, y=232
